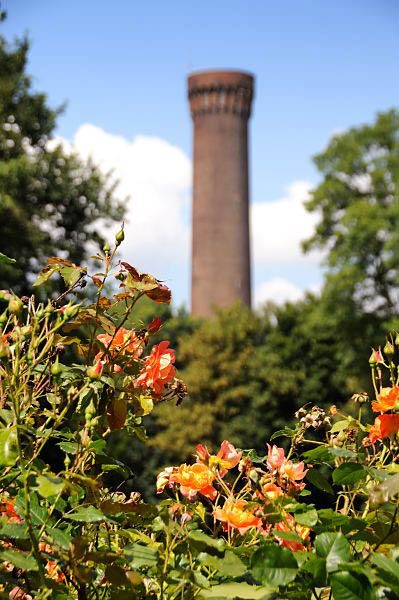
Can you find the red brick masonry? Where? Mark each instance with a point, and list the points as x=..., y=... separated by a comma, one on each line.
x=220, y=104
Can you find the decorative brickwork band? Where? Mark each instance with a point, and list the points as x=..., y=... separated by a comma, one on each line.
x=235, y=99
x=220, y=104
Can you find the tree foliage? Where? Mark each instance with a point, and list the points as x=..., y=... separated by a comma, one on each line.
x=50, y=200
x=358, y=203
x=263, y=368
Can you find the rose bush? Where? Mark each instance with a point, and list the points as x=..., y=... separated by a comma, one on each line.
x=315, y=519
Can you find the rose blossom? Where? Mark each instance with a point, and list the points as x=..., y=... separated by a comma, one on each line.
x=275, y=458
x=195, y=479
x=123, y=342
x=384, y=426
x=234, y=514
x=158, y=369
x=387, y=399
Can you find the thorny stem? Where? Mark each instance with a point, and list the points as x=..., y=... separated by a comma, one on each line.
x=70, y=289
x=374, y=382
x=24, y=475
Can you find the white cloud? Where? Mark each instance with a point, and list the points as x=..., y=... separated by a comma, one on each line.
x=280, y=290
x=157, y=177
x=278, y=227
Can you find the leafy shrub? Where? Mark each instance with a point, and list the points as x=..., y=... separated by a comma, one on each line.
x=233, y=524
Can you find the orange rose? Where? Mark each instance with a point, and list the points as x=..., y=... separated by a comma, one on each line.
x=289, y=526
x=158, y=369
x=293, y=471
x=227, y=458
x=195, y=479
x=124, y=342
x=275, y=458
x=269, y=491
x=384, y=426
x=164, y=478
x=234, y=514
x=18, y=593
x=387, y=399
x=4, y=344
x=52, y=568
x=7, y=510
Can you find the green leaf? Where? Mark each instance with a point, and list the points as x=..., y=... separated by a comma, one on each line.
x=88, y=514
x=318, y=480
x=230, y=565
x=316, y=566
x=8, y=446
x=384, y=531
x=334, y=547
x=329, y=517
x=286, y=432
x=70, y=275
x=38, y=514
x=17, y=531
x=6, y=259
x=326, y=454
x=342, y=453
x=308, y=518
x=22, y=561
x=320, y=454
x=237, y=591
x=45, y=274
x=291, y=536
x=389, y=566
x=274, y=565
x=201, y=580
x=59, y=537
x=98, y=446
x=140, y=556
x=49, y=485
x=339, y=426
x=351, y=586
x=199, y=541
x=349, y=473
x=69, y=447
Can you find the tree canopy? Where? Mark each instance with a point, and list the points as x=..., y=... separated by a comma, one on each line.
x=51, y=201
x=358, y=203
x=263, y=367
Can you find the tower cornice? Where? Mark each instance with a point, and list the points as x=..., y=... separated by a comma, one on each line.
x=220, y=92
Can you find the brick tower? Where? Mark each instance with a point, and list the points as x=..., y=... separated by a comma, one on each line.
x=220, y=104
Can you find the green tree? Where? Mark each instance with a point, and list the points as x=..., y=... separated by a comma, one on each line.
x=358, y=203
x=50, y=201
x=247, y=374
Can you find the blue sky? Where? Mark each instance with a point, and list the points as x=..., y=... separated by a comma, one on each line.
x=320, y=68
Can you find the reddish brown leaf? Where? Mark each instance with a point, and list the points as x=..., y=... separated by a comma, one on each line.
x=116, y=413
x=133, y=272
x=104, y=303
x=154, y=326
x=161, y=294
x=56, y=260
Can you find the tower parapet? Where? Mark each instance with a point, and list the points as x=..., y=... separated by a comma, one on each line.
x=220, y=91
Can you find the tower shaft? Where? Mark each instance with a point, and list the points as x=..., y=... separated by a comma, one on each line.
x=220, y=104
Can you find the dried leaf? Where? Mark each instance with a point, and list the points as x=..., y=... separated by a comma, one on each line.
x=56, y=260
x=161, y=294
x=116, y=413
x=132, y=271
